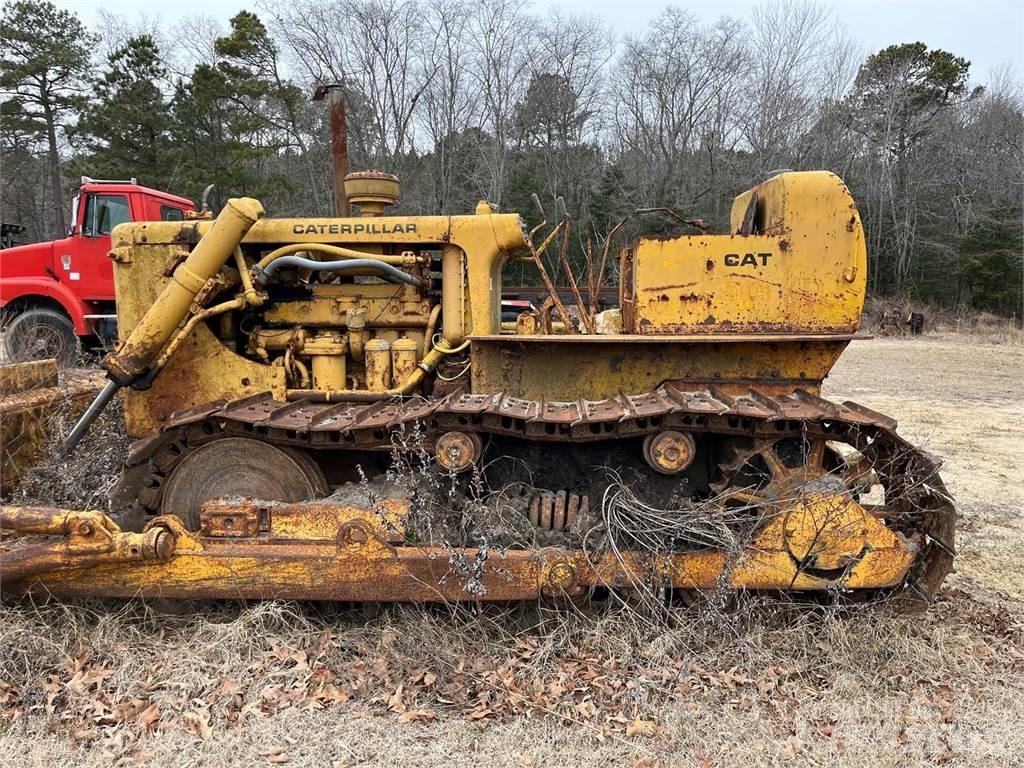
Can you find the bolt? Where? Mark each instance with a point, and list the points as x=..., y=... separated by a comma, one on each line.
x=354, y=534
x=561, y=577
x=164, y=545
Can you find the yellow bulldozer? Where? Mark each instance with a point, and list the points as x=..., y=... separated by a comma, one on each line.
x=336, y=409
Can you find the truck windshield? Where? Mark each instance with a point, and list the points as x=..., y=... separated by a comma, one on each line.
x=103, y=213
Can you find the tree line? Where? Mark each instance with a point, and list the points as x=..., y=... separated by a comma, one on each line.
x=489, y=100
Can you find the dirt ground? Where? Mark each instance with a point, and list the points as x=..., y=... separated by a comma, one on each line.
x=104, y=683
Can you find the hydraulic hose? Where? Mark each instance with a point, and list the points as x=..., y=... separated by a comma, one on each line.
x=389, y=272
x=338, y=252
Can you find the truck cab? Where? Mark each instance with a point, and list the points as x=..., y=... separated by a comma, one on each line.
x=58, y=294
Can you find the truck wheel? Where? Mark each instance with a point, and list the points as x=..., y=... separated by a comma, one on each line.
x=37, y=334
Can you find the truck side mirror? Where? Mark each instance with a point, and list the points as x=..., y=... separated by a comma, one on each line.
x=75, y=226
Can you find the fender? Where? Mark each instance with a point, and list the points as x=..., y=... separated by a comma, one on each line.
x=21, y=287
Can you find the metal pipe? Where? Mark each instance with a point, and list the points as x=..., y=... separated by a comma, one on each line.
x=91, y=414
x=428, y=339
x=339, y=149
x=172, y=306
x=334, y=93
x=204, y=314
x=390, y=273
x=252, y=296
x=403, y=260
x=88, y=539
x=38, y=521
x=453, y=294
x=355, y=323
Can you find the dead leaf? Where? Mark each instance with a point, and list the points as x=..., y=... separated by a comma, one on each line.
x=640, y=728
x=417, y=715
x=791, y=747
x=198, y=721
x=396, y=703
x=85, y=734
x=148, y=717
x=87, y=677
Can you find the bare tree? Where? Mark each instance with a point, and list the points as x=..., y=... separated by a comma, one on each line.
x=798, y=58
x=667, y=85
x=376, y=48
x=448, y=107
x=499, y=67
x=562, y=114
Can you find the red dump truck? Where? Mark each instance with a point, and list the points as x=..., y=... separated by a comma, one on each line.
x=58, y=295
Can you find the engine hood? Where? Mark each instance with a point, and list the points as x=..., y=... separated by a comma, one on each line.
x=29, y=260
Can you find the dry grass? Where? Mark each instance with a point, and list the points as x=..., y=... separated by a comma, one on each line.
x=84, y=479
x=943, y=321
x=763, y=683
x=768, y=683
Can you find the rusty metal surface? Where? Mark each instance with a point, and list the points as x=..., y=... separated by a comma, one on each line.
x=672, y=405
x=325, y=550
x=911, y=476
x=555, y=368
x=334, y=94
x=16, y=378
x=557, y=511
x=767, y=337
x=333, y=552
x=677, y=339
x=31, y=394
x=799, y=265
x=84, y=539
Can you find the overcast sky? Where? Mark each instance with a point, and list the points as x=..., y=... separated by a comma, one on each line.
x=989, y=33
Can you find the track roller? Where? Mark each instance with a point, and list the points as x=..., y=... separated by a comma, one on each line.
x=458, y=451
x=669, y=452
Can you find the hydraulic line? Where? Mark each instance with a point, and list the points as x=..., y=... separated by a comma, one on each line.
x=338, y=252
x=389, y=272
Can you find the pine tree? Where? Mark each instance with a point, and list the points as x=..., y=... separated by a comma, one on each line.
x=44, y=60
x=213, y=138
x=125, y=129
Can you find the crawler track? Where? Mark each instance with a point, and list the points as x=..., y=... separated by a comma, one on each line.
x=916, y=501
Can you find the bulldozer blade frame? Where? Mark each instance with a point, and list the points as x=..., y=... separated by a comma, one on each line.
x=322, y=551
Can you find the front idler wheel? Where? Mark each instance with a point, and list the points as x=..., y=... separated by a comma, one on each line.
x=239, y=467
